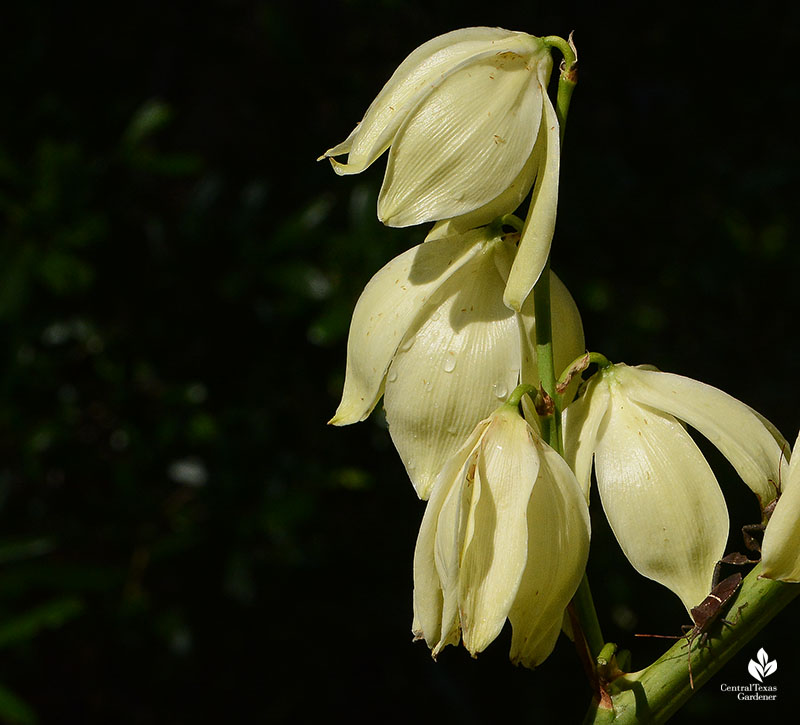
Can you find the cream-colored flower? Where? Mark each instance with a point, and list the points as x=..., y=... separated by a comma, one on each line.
x=470, y=127
x=780, y=550
x=659, y=493
x=505, y=536
x=430, y=332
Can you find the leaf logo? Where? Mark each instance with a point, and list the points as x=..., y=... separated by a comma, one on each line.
x=763, y=668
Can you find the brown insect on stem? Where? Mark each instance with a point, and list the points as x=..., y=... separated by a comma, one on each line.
x=708, y=611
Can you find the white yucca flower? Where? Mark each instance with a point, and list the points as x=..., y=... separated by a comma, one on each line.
x=505, y=536
x=470, y=127
x=430, y=332
x=658, y=492
x=780, y=550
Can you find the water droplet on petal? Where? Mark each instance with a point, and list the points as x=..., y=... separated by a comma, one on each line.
x=449, y=362
x=408, y=343
x=428, y=386
x=500, y=390
x=392, y=376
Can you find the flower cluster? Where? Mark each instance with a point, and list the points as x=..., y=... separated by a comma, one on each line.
x=447, y=330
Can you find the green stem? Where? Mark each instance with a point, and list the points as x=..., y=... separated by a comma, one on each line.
x=657, y=692
x=567, y=79
x=584, y=607
x=518, y=393
x=551, y=425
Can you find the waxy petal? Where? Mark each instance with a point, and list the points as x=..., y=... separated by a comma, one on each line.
x=582, y=421
x=660, y=497
x=780, y=550
x=537, y=234
x=467, y=141
x=413, y=79
x=453, y=369
x=506, y=203
x=387, y=309
x=437, y=558
x=558, y=547
x=734, y=428
x=496, y=541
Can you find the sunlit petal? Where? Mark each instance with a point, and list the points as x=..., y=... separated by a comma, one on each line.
x=387, y=309
x=780, y=551
x=453, y=369
x=558, y=547
x=465, y=143
x=734, y=428
x=660, y=497
x=537, y=234
x=494, y=559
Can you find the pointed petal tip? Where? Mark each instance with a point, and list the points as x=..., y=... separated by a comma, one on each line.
x=512, y=301
x=346, y=416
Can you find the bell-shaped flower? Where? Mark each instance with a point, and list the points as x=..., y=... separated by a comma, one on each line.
x=470, y=127
x=780, y=550
x=658, y=492
x=430, y=332
x=505, y=535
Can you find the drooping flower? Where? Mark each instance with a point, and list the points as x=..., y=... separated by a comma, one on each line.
x=659, y=494
x=780, y=550
x=505, y=536
x=470, y=127
x=430, y=332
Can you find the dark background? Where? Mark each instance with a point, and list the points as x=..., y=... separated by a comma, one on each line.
x=182, y=539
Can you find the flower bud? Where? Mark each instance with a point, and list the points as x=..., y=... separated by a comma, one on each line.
x=505, y=535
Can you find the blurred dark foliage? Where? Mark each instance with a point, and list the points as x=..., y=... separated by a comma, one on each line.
x=182, y=539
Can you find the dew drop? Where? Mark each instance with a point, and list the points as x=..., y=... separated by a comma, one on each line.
x=500, y=390
x=449, y=363
x=435, y=315
x=428, y=386
x=408, y=343
x=392, y=376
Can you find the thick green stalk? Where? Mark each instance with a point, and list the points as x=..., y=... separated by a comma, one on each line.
x=654, y=694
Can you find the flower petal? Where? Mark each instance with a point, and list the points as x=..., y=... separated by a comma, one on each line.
x=537, y=234
x=496, y=546
x=453, y=369
x=660, y=497
x=780, y=551
x=734, y=428
x=385, y=311
x=583, y=419
x=506, y=203
x=466, y=141
x=438, y=551
x=411, y=81
x=558, y=547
